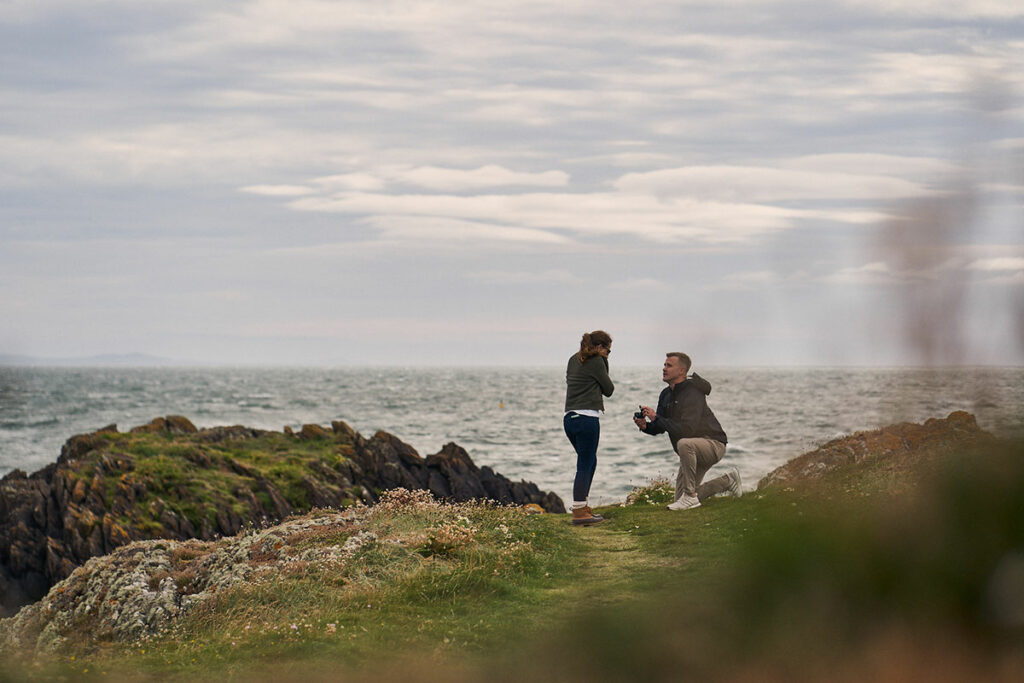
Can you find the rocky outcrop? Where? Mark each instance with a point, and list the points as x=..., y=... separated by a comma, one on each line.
x=140, y=590
x=170, y=480
x=901, y=443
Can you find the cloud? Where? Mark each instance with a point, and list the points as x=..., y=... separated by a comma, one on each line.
x=758, y=183
x=26, y=11
x=593, y=214
x=638, y=284
x=938, y=265
x=1012, y=144
x=164, y=154
x=1000, y=270
x=439, y=179
x=746, y=281
x=992, y=9
x=626, y=159
x=526, y=277
x=703, y=204
x=360, y=182
x=875, y=165
x=1010, y=194
x=1011, y=280
x=875, y=273
x=456, y=232
x=897, y=73
x=278, y=190
x=1003, y=263
x=447, y=179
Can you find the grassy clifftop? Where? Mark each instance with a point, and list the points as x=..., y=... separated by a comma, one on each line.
x=169, y=480
x=906, y=565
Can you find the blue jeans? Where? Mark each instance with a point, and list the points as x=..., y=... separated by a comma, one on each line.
x=584, y=432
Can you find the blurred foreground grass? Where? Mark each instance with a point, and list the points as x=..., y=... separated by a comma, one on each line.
x=916, y=574
x=862, y=576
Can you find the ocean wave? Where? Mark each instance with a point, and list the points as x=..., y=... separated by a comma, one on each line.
x=33, y=424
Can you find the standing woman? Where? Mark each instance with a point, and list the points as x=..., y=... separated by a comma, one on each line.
x=586, y=380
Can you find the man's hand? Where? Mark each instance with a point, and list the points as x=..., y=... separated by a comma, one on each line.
x=640, y=423
x=648, y=412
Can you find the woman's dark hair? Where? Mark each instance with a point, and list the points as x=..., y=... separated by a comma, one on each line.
x=590, y=342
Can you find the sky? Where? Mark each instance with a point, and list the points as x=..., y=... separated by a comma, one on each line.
x=304, y=182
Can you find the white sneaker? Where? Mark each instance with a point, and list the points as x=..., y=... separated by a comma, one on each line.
x=736, y=487
x=685, y=503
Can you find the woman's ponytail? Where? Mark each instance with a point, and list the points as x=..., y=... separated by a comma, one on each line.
x=590, y=342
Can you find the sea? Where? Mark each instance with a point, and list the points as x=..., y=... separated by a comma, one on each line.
x=507, y=418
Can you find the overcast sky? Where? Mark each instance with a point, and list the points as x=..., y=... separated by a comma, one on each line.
x=311, y=182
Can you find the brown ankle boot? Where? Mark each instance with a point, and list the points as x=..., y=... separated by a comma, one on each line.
x=585, y=516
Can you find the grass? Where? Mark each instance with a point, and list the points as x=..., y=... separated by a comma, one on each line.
x=908, y=573
x=194, y=478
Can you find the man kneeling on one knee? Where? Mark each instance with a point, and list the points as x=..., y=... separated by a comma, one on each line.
x=696, y=435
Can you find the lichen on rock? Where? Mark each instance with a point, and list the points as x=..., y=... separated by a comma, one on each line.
x=140, y=589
